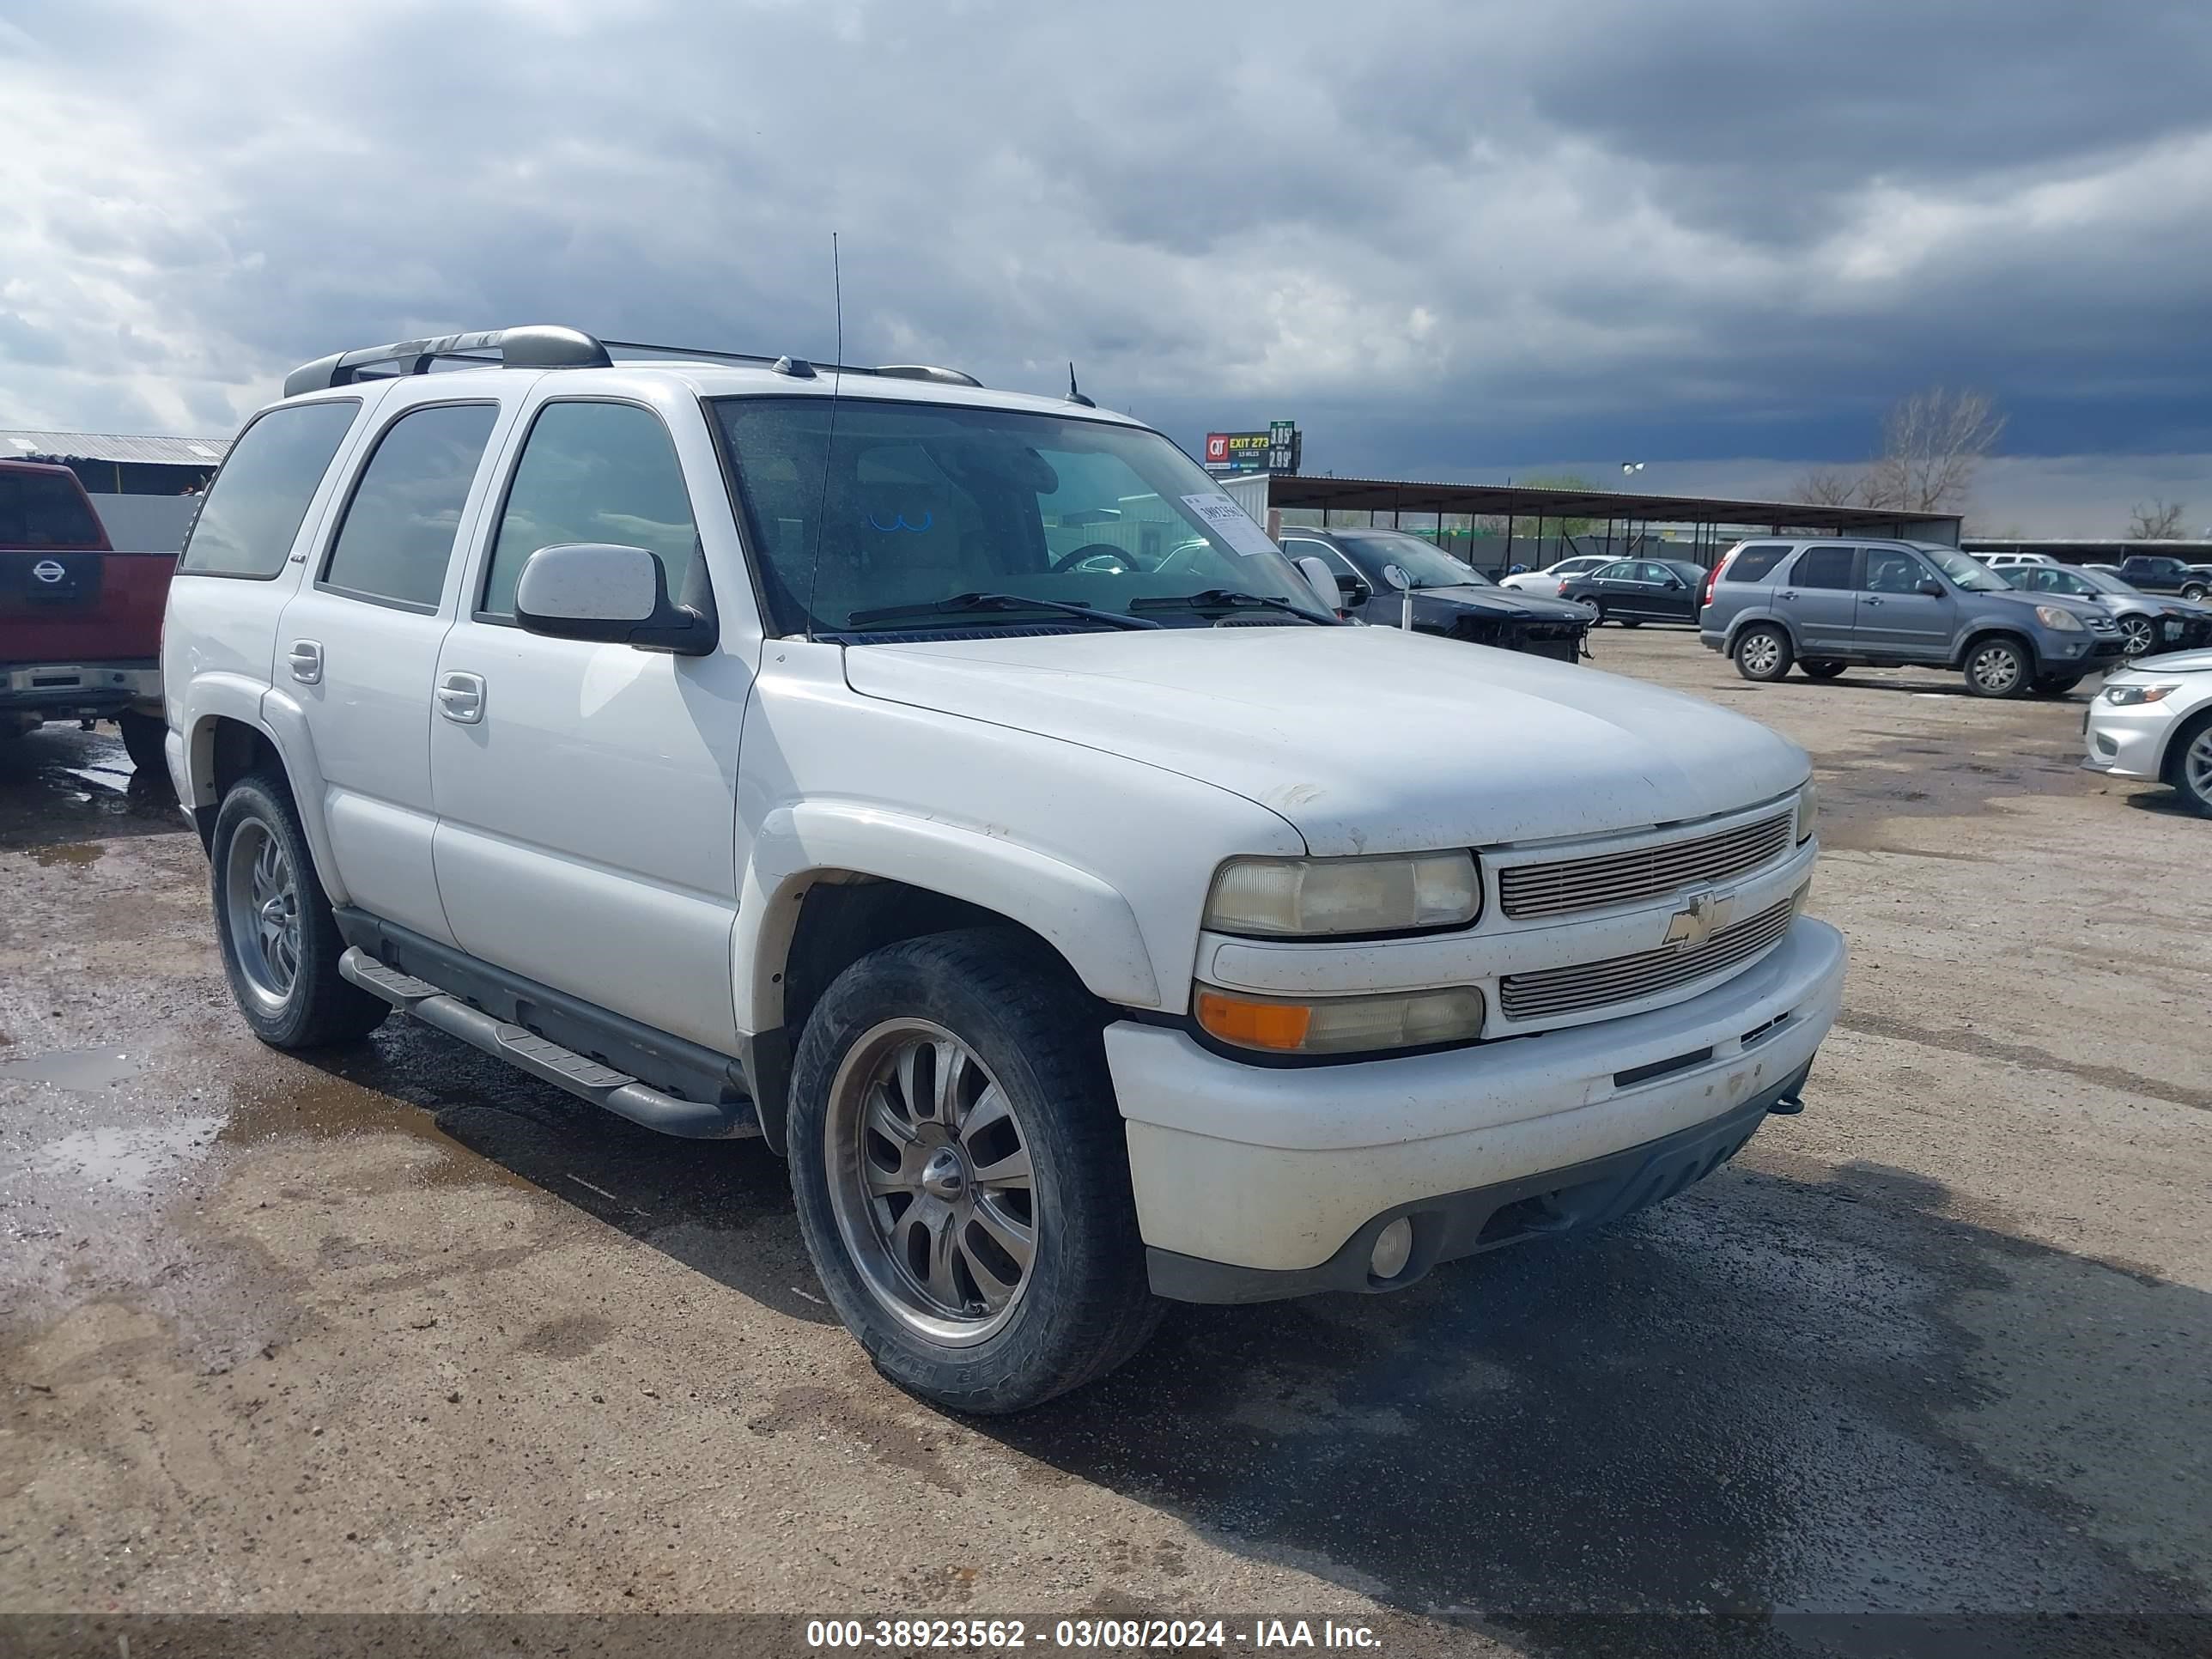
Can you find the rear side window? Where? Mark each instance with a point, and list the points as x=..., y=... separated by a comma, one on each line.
x=396, y=538
x=1754, y=560
x=44, y=509
x=253, y=508
x=593, y=472
x=1823, y=567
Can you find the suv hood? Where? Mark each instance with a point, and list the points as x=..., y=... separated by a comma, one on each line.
x=1366, y=740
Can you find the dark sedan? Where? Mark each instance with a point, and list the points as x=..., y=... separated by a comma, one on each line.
x=1633, y=591
x=2149, y=622
x=1448, y=597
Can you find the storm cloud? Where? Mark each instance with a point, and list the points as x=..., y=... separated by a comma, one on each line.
x=1436, y=234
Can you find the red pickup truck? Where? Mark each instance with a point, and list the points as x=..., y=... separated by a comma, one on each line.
x=80, y=623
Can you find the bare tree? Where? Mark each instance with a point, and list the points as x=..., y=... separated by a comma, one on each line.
x=2159, y=522
x=1830, y=486
x=1932, y=443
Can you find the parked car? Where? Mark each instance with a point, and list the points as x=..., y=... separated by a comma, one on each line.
x=2010, y=561
x=756, y=749
x=2153, y=720
x=1546, y=581
x=2146, y=623
x=1633, y=591
x=1825, y=605
x=2159, y=574
x=1449, y=597
x=80, y=623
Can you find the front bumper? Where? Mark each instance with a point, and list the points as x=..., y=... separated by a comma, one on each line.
x=90, y=690
x=1284, y=1172
x=2130, y=742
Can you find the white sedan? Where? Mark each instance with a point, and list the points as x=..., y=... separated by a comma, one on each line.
x=2153, y=720
x=1547, y=580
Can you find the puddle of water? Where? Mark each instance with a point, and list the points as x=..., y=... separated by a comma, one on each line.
x=131, y=1158
x=85, y=1071
x=72, y=853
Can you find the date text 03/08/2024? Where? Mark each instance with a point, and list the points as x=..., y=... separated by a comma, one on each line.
x=1005, y=1635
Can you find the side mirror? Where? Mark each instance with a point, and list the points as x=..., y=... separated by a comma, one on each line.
x=1396, y=577
x=1932, y=587
x=1324, y=580
x=611, y=594
x=1674, y=584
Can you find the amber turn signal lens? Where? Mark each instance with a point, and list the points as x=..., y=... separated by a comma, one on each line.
x=1280, y=1026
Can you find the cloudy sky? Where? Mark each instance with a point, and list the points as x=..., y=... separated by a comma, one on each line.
x=1452, y=238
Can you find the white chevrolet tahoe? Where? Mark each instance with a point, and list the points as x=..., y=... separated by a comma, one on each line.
x=753, y=748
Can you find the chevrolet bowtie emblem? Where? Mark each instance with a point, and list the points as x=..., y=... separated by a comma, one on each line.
x=1697, y=921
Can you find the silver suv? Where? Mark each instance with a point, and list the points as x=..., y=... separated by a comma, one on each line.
x=1826, y=605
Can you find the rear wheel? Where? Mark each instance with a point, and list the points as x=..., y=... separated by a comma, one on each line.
x=279, y=944
x=142, y=739
x=1825, y=669
x=961, y=1175
x=2188, y=768
x=2056, y=685
x=1997, y=668
x=1762, y=652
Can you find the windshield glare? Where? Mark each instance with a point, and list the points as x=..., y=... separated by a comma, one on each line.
x=1425, y=565
x=923, y=501
x=1969, y=574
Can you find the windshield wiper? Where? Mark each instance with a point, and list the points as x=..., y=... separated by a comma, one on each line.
x=1224, y=598
x=972, y=602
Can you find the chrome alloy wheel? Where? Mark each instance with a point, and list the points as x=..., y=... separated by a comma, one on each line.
x=262, y=912
x=2138, y=635
x=929, y=1179
x=1995, y=668
x=2196, y=766
x=1761, y=653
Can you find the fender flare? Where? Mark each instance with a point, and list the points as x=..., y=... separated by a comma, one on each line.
x=1078, y=914
x=214, y=697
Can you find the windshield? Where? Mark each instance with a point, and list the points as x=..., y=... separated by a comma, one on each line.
x=924, y=502
x=2104, y=581
x=1425, y=565
x=1970, y=574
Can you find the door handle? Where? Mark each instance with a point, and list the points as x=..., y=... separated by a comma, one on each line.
x=306, y=660
x=1787, y=593
x=1867, y=600
x=461, y=698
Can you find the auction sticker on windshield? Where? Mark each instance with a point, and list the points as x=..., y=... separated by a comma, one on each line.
x=1231, y=523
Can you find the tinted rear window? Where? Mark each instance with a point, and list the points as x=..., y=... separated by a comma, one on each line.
x=43, y=509
x=1754, y=560
x=254, y=506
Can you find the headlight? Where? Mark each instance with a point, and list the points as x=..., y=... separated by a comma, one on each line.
x=1809, y=810
x=1340, y=1025
x=1294, y=897
x=2064, y=621
x=2127, y=696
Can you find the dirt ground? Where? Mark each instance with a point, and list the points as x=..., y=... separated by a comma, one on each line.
x=402, y=1330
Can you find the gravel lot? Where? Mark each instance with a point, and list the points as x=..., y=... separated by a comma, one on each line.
x=402, y=1330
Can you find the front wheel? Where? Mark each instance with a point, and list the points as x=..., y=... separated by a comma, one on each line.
x=2137, y=635
x=961, y=1175
x=280, y=944
x=2189, y=769
x=1762, y=652
x=1997, y=668
x=2194, y=590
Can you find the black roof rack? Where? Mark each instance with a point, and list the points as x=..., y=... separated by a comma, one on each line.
x=544, y=346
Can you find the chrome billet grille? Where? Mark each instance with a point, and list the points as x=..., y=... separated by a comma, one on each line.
x=1548, y=993
x=1609, y=878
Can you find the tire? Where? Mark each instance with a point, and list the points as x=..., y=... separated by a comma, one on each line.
x=1762, y=652
x=916, y=1262
x=2056, y=685
x=2194, y=590
x=143, y=738
x=1599, y=609
x=2137, y=635
x=1824, y=668
x=2189, y=765
x=281, y=962
x=1998, y=667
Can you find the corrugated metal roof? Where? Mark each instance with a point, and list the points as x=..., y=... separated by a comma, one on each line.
x=113, y=447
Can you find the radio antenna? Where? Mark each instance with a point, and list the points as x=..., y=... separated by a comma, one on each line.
x=830, y=441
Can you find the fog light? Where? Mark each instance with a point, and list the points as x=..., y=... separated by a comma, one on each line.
x=1394, y=1247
